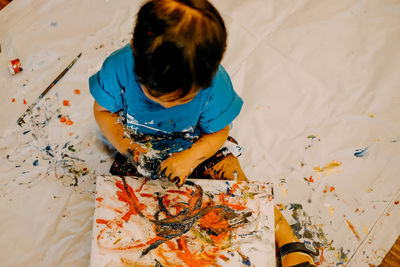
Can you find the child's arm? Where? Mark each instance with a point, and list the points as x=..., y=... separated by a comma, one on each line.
x=114, y=131
x=180, y=165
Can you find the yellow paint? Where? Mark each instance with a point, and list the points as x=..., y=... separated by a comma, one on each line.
x=284, y=192
x=329, y=168
x=331, y=209
x=365, y=229
x=119, y=239
x=371, y=115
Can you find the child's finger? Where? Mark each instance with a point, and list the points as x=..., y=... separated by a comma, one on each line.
x=181, y=181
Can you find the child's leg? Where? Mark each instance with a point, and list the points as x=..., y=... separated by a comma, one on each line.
x=226, y=169
x=284, y=235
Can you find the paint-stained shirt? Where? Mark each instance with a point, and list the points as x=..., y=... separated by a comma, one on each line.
x=117, y=88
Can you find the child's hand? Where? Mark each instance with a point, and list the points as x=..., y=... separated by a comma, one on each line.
x=135, y=151
x=177, y=168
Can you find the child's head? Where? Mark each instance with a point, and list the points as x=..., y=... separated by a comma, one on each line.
x=178, y=45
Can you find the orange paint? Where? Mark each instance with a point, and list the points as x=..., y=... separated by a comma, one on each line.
x=13, y=100
x=214, y=220
x=100, y=199
x=77, y=91
x=233, y=188
x=188, y=258
x=224, y=258
x=353, y=230
x=331, y=188
x=123, y=196
x=147, y=195
x=101, y=221
x=321, y=255
x=66, y=103
x=63, y=119
x=69, y=122
x=141, y=186
x=179, y=192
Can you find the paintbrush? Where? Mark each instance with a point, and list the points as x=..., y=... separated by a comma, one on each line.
x=20, y=120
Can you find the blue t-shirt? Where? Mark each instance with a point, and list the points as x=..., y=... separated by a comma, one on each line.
x=168, y=130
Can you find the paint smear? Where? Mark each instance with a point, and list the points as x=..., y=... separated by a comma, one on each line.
x=361, y=153
x=328, y=168
x=365, y=229
x=351, y=226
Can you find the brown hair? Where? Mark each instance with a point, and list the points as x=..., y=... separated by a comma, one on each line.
x=178, y=44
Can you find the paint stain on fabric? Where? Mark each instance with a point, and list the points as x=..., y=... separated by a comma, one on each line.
x=361, y=153
x=353, y=229
x=329, y=168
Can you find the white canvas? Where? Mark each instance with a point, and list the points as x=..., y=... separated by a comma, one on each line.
x=203, y=223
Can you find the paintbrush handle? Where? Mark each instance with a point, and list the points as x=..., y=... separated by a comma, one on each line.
x=20, y=120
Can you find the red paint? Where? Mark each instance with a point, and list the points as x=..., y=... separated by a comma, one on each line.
x=13, y=100
x=396, y=202
x=66, y=103
x=147, y=195
x=15, y=66
x=311, y=179
x=25, y=102
x=100, y=199
x=141, y=186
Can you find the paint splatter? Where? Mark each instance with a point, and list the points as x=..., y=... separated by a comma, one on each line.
x=13, y=100
x=327, y=169
x=66, y=103
x=53, y=24
x=36, y=162
x=396, y=202
x=361, y=153
x=353, y=229
x=77, y=91
x=24, y=102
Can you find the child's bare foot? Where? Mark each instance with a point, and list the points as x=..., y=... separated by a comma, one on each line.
x=227, y=169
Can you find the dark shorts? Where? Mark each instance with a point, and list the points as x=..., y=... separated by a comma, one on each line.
x=122, y=167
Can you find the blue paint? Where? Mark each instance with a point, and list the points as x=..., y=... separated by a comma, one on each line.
x=36, y=162
x=246, y=262
x=361, y=153
x=53, y=24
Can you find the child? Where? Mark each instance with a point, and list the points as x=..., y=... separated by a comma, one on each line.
x=165, y=102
